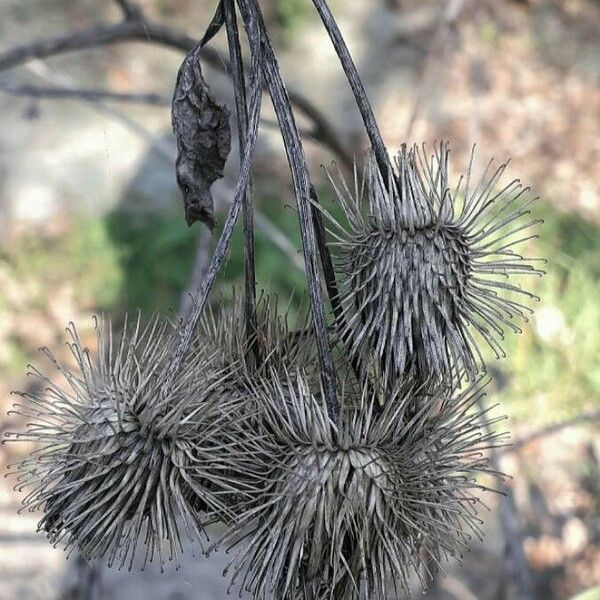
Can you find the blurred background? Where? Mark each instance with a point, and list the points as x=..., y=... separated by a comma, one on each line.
x=91, y=220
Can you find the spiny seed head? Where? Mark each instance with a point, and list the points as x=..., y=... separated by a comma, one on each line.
x=424, y=265
x=351, y=509
x=122, y=459
x=282, y=342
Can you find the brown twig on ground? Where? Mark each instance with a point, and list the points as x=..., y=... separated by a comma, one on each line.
x=141, y=29
x=582, y=419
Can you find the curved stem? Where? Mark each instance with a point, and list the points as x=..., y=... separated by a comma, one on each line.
x=130, y=11
x=239, y=86
x=188, y=327
x=356, y=84
x=16, y=88
x=300, y=178
x=331, y=286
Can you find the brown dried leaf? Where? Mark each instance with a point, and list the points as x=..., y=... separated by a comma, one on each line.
x=201, y=127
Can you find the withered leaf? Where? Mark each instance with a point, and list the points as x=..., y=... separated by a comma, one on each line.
x=201, y=127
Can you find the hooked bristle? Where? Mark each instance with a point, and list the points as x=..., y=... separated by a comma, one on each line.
x=351, y=509
x=283, y=341
x=427, y=266
x=122, y=462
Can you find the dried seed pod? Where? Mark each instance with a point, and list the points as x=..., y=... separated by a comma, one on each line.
x=351, y=509
x=119, y=461
x=284, y=343
x=428, y=265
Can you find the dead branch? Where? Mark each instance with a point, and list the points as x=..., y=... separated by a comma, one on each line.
x=583, y=419
x=269, y=229
x=203, y=253
x=96, y=96
x=279, y=240
x=130, y=11
x=519, y=571
x=93, y=95
x=201, y=262
x=140, y=29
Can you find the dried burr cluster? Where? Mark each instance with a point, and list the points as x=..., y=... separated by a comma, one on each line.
x=344, y=452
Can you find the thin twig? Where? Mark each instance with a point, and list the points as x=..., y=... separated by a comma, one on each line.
x=165, y=150
x=201, y=262
x=144, y=30
x=104, y=35
x=130, y=10
x=55, y=92
x=97, y=96
x=279, y=239
x=270, y=230
x=239, y=86
x=322, y=131
x=585, y=418
x=357, y=86
x=188, y=328
x=330, y=279
x=509, y=520
x=326, y=260
x=158, y=144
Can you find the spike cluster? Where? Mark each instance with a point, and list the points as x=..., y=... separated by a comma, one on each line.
x=283, y=342
x=121, y=464
x=321, y=507
x=336, y=480
x=125, y=463
x=424, y=266
x=352, y=509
